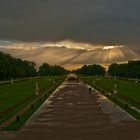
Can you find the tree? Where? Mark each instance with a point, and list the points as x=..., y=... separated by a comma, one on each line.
x=130, y=69
x=45, y=69
x=15, y=67
x=91, y=70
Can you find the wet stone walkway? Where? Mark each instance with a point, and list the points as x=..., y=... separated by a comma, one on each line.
x=71, y=113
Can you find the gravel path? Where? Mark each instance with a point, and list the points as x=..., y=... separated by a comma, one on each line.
x=71, y=113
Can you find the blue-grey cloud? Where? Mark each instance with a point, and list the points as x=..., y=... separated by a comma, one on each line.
x=94, y=21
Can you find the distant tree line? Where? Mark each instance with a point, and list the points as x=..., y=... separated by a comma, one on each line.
x=91, y=70
x=15, y=68
x=46, y=69
x=130, y=69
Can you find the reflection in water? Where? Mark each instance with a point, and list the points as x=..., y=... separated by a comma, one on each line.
x=116, y=113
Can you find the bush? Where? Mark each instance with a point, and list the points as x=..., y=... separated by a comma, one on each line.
x=126, y=106
x=17, y=118
x=32, y=106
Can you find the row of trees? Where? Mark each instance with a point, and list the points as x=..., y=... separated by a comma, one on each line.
x=91, y=70
x=130, y=69
x=46, y=69
x=17, y=68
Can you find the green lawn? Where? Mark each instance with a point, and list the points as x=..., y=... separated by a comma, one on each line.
x=14, y=97
x=127, y=91
x=16, y=125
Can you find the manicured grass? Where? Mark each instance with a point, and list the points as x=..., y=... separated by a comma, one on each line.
x=15, y=125
x=125, y=88
x=15, y=97
x=128, y=92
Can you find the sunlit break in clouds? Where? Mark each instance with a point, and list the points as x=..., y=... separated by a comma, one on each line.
x=68, y=52
x=71, y=31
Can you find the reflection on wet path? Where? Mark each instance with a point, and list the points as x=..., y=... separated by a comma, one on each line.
x=71, y=113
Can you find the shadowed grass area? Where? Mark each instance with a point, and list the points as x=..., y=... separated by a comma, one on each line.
x=17, y=124
x=128, y=93
x=15, y=97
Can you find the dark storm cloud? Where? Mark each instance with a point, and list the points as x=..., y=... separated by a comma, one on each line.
x=98, y=21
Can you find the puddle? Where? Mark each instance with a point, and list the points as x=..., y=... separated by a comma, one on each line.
x=60, y=98
x=69, y=104
x=115, y=112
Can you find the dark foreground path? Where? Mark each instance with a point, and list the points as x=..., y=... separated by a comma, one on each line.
x=74, y=114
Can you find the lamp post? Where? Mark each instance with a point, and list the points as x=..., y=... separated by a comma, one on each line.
x=54, y=82
x=115, y=77
x=12, y=81
x=37, y=89
x=136, y=81
x=115, y=91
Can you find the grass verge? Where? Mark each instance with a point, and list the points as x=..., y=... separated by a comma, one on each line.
x=118, y=101
x=21, y=119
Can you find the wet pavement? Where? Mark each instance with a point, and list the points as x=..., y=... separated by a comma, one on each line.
x=71, y=113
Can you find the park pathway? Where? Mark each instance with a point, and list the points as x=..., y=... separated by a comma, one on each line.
x=71, y=113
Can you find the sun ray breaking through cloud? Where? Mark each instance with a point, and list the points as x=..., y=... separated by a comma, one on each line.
x=68, y=52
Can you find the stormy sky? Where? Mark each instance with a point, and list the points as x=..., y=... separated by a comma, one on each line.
x=96, y=22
